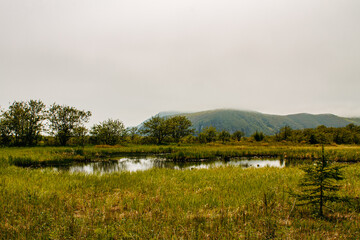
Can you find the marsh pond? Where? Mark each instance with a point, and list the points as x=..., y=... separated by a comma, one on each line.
x=132, y=164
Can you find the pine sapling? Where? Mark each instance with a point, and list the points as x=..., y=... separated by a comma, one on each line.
x=319, y=184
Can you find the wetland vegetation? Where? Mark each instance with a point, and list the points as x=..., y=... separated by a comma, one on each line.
x=224, y=201
x=218, y=202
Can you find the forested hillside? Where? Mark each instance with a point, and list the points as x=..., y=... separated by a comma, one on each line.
x=249, y=122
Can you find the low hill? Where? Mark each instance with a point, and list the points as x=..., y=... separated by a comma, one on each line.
x=249, y=122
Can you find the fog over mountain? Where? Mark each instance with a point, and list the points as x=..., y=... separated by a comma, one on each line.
x=250, y=121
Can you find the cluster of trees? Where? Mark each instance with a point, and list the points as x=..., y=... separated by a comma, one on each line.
x=321, y=135
x=158, y=129
x=179, y=129
x=26, y=123
x=23, y=123
x=210, y=134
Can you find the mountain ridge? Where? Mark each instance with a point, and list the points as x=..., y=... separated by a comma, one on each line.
x=251, y=121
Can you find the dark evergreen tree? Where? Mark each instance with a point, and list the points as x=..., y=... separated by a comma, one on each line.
x=258, y=136
x=319, y=184
x=285, y=133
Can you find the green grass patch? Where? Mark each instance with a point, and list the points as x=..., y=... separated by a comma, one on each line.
x=217, y=203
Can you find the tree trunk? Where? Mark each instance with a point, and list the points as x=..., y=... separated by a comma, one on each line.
x=321, y=201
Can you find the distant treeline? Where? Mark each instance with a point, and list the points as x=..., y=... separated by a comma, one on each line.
x=322, y=134
x=31, y=123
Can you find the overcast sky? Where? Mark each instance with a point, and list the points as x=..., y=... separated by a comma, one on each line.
x=129, y=59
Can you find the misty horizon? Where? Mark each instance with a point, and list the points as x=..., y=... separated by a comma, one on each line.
x=129, y=60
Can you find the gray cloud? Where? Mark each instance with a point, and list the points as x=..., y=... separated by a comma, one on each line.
x=130, y=59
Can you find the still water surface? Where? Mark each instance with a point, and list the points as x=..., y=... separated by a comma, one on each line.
x=132, y=164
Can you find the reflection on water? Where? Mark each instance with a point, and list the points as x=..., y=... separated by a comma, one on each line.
x=145, y=163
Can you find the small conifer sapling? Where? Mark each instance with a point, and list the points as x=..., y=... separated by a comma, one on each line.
x=319, y=184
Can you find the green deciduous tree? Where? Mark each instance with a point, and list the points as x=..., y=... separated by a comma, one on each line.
x=208, y=134
x=224, y=136
x=23, y=121
x=156, y=128
x=64, y=120
x=171, y=128
x=80, y=135
x=237, y=135
x=109, y=132
x=319, y=184
x=179, y=127
x=133, y=133
x=5, y=133
x=35, y=117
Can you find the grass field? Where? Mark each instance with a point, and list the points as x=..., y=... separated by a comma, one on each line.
x=218, y=203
